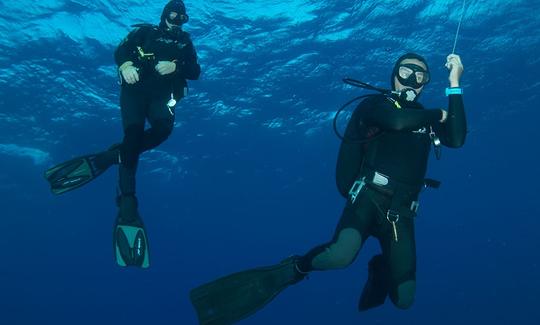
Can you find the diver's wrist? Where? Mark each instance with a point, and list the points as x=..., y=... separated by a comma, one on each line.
x=454, y=83
x=454, y=91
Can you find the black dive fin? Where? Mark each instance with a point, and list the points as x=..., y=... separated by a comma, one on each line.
x=236, y=296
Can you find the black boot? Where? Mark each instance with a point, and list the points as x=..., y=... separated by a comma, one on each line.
x=107, y=158
x=297, y=274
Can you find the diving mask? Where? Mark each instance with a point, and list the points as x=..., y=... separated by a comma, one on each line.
x=412, y=75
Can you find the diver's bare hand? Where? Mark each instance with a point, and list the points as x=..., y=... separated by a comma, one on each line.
x=453, y=63
x=165, y=67
x=129, y=72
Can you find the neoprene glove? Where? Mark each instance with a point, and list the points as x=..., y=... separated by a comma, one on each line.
x=129, y=72
x=165, y=67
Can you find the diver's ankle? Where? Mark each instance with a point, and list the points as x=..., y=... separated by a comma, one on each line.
x=300, y=274
x=299, y=271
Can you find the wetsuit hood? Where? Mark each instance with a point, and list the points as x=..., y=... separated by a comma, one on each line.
x=179, y=8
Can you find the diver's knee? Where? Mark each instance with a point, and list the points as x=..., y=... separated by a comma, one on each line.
x=403, y=296
x=341, y=260
x=163, y=133
x=163, y=129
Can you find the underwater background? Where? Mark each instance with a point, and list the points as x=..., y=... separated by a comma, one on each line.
x=247, y=177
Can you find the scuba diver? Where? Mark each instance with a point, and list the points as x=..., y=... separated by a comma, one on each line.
x=381, y=168
x=153, y=65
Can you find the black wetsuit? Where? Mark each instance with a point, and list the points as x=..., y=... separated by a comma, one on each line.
x=147, y=99
x=399, y=150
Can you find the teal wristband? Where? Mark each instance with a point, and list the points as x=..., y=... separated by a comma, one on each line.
x=454, y=91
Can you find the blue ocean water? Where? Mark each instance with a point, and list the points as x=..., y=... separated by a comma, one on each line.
x=247, y=178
